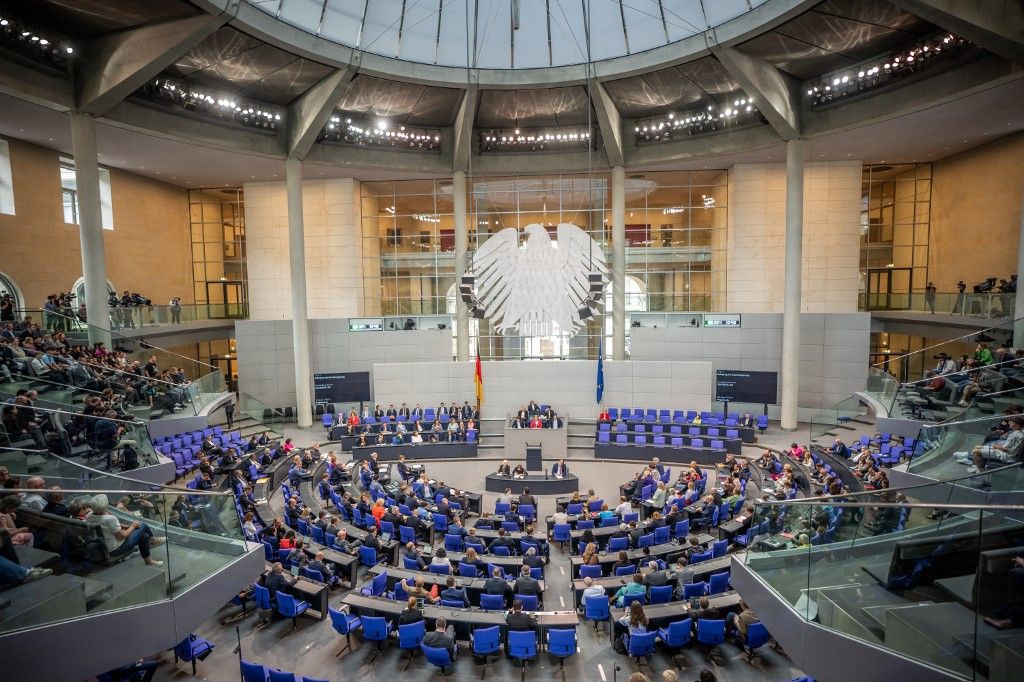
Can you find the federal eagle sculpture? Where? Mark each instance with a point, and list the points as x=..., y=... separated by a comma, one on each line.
x=539, y=286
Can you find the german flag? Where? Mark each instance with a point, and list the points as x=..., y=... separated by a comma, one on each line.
x=478, y=379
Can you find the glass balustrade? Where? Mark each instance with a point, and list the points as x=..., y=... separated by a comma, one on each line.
x=205, y=383
x=137, y=317
x=825, y=422
x=945, y=451
x=190, y=535
x=269, y=418
x=991, y=305
x=919, y=578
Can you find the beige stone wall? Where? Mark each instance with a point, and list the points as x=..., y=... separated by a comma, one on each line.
x=757, y=237
x=147, y=251
x=976, y=213
x=334, y=274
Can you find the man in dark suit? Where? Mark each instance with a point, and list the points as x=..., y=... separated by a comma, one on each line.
x=497, y=585
x=412, y=552
x=527, y=498
x=371, y=539
x=378, y=413
x=634, y=533
x=403, y=411
x=525, y=584
x=277, y=580
x=403, y=469
x=502, y=541
x=417, y=412
x=318, y=564
x=444, y=508
x=392, y=412
x=413, y=521
x=456, y=528
x=454, y=411
x=453, y=593
x=442, y=637
x=656, y=577
x=531, y=560
x=517, y=621
x=560, y=470
x=467, y=410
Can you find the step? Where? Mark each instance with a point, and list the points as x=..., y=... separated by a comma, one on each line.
x=132, y=582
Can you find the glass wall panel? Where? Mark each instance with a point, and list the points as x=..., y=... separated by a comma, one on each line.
x=675, y=232
x=218, y=250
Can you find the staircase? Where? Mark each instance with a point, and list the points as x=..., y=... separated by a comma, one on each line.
x=581, y=438
x=492, y=438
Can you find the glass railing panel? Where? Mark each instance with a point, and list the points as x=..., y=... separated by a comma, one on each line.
x=826, y=421
x=919, y=579
x=947, y=451
x=170, y=539
x=990, y=305
x=882, y=386
x=271, y=419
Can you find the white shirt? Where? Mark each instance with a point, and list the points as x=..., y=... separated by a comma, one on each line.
x=109, y=526
x=624, y=509
x=33, y=501
x=593, y=591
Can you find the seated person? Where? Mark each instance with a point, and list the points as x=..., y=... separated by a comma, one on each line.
x=410, y=614
x=418, y=591
x=496, y=584
x=527, y=585
x=440, y=558
x=413, y=553
x=504, y=469
x=604, y=416
x=1006, y=451
x=517, y=621
x=704, y=611
x=442, y=637
x=560, y=470
x=634, y=621
x=635, y=586
x=453, y=593
x=591, y=590
x=519, y=471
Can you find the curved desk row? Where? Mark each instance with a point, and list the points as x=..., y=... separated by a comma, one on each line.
x=668, y=455
x=538, y=484
x=390, y=453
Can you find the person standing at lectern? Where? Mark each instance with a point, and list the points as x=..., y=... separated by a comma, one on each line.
x=560, y=470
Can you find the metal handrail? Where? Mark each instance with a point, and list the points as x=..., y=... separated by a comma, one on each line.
x=55, y=383
x=966, y=370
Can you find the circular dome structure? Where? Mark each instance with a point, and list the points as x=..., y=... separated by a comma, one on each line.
x=533, y=38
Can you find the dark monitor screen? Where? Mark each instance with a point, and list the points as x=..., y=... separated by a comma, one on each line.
x=743, y=386
x=341, y=387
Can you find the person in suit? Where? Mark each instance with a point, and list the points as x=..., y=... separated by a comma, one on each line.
x=417, y=412
x=403, y=411
x=453, y=593
x=410, y=614
x=467, y=410
x=517, y=621
x=318, y=564
x=655, y=577
x=277, y=581
x=391, y=413
x=526, y=584
x=532, y=408
x=378, y=413
x=531, y=560
x=413, y=553
x=522, y=415
x=504, y=469
x=560, y=470
x=517, y=423
x=444, y=508
x=502, y=541
x=549, y=416
x=371, y=540
x=496, y=585
x=442, y=637
x=527, y=498
x=704, y=611
x=403, y=469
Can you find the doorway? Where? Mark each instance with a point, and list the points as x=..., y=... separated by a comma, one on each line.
x=889, y=288
x=224, y=299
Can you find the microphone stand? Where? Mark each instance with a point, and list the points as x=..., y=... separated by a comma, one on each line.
x=615, y=673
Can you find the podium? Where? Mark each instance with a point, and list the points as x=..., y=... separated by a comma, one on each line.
x=533, y=458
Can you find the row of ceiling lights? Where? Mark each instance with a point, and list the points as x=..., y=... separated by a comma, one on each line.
x=740, y=112
x=883, y=70
x=221, y=107
x=29, y=42
x=519, y=140
x=343, y=130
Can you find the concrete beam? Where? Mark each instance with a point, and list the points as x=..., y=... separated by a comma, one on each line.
x=115, y=65
x=609, y=120
x=996, y=25
x=52, y=92
x=308, y=114
x=777, y=94
x=462, y=131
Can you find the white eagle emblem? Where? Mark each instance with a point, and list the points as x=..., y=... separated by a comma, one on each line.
x=543, y=282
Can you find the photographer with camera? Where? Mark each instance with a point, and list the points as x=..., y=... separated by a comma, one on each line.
x=958, y=306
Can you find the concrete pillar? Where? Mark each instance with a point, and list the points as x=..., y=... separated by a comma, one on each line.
x=1018, y=308
x=300, y=320
x=90, y=226
x=461, y=247
x=794, y=256
x=618, y=263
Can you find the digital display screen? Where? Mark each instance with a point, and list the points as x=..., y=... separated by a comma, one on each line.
x=743, y=386
x=341, y=387
x=722, y=320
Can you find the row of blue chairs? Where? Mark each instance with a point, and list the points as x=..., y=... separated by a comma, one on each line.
x=628, y=414
x=710, y=431
x=484, y=642
x=255, y=672
x=660, y=441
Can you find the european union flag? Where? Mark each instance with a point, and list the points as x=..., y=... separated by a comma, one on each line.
x=600, y=371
